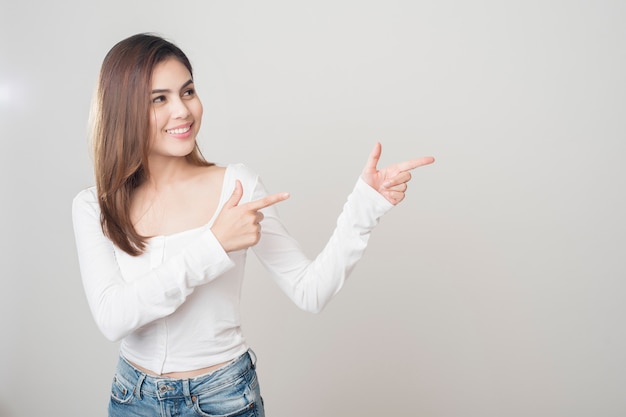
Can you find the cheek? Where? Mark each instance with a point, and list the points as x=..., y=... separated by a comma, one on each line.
x=199, y=111
x=155, y=125
x=195, y=107
x=156, y=137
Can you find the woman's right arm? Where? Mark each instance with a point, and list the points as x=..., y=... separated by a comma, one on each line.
x=120, y=307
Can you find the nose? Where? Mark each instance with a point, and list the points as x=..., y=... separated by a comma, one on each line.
x=179, y=109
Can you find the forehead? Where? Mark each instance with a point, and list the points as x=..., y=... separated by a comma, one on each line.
x=170, y=73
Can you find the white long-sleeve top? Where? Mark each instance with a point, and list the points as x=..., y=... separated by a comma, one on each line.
x=176, y=306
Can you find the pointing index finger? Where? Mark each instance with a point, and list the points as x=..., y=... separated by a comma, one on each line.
x=415, y=163
x=266, y=201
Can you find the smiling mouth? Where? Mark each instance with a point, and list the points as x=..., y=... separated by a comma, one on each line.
x=179, y=131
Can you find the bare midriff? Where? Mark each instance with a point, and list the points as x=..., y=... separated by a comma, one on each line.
x=182, y=375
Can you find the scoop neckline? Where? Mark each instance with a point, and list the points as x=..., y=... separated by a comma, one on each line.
x=208, y=223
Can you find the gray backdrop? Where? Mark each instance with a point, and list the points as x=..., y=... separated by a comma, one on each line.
x=496, y=288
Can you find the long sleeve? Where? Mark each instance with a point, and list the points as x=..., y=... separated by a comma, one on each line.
x=310, y=284
x=121, y=304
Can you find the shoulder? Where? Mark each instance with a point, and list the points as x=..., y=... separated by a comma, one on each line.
x=208, y=175
x=248, y=177
x=241, y=172
x=223, y=177
x=88, y=196
x=86, y=201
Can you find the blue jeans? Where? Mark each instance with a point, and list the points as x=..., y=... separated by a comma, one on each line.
x=232, y=390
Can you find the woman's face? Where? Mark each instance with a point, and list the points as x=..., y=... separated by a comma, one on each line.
x=176, y=110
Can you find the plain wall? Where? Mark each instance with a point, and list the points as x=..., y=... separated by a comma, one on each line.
x=497, y=288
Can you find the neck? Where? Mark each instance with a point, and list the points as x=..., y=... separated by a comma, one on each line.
x=167, y=171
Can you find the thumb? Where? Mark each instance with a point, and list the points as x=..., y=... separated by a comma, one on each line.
x=372, y=160
x=236, y=195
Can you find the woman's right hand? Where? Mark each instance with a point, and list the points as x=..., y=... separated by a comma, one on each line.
x=237, y=226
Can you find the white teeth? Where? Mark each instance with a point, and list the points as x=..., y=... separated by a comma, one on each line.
x=179, y=131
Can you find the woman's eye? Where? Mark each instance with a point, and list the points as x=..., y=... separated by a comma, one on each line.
x=189, y=92
x=158, y=99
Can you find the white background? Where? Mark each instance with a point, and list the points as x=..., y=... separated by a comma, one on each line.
x=496, y=289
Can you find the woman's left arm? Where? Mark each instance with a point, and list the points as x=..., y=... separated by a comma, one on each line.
x=310, y=284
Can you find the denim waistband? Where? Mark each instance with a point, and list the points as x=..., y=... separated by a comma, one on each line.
x=164, y=387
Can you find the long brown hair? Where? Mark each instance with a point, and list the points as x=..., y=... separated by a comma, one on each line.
x=120, y=128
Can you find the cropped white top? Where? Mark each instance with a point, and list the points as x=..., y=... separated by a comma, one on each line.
x=176, y=306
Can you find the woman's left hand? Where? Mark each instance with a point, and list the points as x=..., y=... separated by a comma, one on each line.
x=391, y=181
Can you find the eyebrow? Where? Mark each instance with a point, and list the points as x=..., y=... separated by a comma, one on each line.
x=159, y=91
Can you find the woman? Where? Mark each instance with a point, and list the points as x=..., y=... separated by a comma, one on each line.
x=162, y=241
